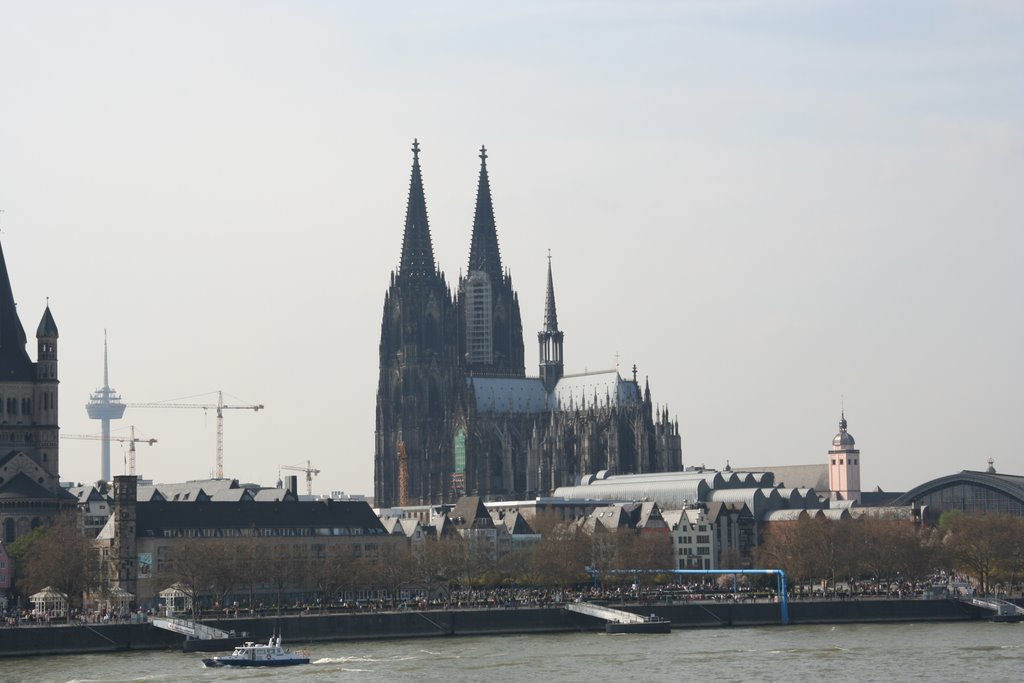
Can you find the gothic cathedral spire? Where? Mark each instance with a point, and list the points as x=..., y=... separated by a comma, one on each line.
x=484, y=253
x=418, y=358
x=491, y=332
x=417, y=249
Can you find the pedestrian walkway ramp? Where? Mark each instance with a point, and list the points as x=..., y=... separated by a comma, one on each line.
x=191, y=629
x=606, y=613
x=620, y=621
x=1004, y=610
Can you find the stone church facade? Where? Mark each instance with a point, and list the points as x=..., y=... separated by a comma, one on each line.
x=30, y=491
x=456, y=412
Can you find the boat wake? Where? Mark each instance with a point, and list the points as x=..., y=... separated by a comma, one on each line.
x=342, y=661
x=358, y=664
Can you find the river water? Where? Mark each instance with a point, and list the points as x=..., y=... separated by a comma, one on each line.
x=900, y=652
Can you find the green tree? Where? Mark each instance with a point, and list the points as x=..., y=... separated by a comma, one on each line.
x=19, y=549
x=60, y=556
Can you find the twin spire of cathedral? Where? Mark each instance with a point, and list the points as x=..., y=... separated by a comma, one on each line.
x=417, y=249
x=484, y=253
x=490, y=336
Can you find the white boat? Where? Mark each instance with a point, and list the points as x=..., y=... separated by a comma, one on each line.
x=258, y=654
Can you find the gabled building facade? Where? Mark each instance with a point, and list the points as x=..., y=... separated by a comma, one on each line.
x=94, y=508
x=456, y=413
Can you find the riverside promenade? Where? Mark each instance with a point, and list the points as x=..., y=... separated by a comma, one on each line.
x=432, y=623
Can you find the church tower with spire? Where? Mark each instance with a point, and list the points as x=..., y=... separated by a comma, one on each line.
x=418, y=360
x=490, y=326
x=844, y=465
x=550, y=339
x=30, y=492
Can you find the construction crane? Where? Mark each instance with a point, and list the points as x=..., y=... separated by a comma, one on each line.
x=403, y=475
x=308, y=469
x=220, y=408
x=130, y=440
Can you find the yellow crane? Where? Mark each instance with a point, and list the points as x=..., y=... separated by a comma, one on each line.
x=220, y=407
x=130, y=440
x=403, y=475
x=308, y=469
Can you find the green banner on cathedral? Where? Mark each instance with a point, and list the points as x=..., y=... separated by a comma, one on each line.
x=460, y=452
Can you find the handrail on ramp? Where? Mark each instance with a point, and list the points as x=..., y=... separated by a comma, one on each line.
x=191, y=629
x=997, y=605
x=606, y=613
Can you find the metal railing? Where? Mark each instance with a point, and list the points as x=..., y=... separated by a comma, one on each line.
x=188, y=628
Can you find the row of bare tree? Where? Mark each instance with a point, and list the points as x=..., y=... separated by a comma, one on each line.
x=988, y=548
x=209, y=570
x=216, y=568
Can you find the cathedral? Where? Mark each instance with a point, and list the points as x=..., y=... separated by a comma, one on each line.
x=456, y=413
x=30, y=491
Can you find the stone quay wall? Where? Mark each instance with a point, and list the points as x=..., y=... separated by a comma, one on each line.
x=81, y=638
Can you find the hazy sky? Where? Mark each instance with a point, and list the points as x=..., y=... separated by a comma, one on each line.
x=770, y=207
